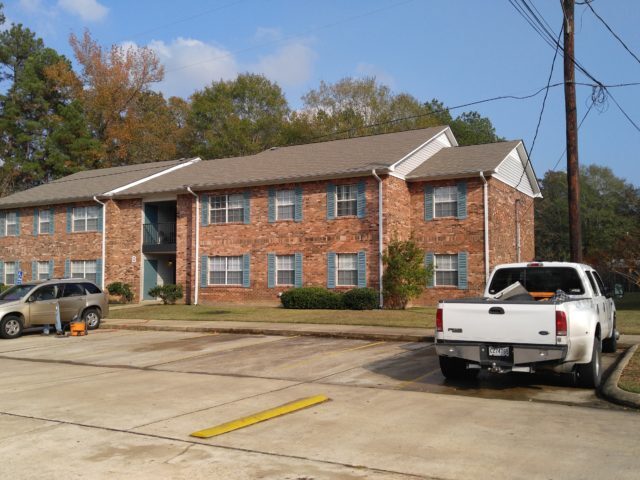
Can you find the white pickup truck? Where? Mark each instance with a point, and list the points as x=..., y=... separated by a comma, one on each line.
x=533, y=316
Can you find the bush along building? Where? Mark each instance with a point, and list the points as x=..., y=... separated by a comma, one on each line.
x=246, y=229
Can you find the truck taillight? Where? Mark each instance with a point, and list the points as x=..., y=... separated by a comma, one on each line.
x=561, y=324
x=439, y=320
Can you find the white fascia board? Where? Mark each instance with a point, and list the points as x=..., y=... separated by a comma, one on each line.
x=446, y=130
x=150, y=177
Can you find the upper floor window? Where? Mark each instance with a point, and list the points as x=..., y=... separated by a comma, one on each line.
x=85, y=219
x=445, y=201
x=44, y=221
x=346, y=200
x=285, y=204
x=446, y=270
x=226, y=208
x=84, y=269
x=11, y=224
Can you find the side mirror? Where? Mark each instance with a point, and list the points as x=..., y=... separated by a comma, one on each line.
x=607, y=292
x=31, y=299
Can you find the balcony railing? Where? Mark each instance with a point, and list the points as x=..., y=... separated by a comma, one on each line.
x=159, y=237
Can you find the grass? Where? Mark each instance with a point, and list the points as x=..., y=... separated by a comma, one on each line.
x=628, y=314
x=412, y=317
x=630, y=378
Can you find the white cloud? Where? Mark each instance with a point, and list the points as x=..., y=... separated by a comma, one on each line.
x=88, y=10
x=31, y=5
x=291, y=65
x=370, y=70
x=192, y=64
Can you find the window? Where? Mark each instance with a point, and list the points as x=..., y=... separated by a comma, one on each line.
x=285, y=204
x=446, y=268
x=347, y=269
x=285, y=270
x=10, y=273
x=538, y=279
x=225, y=270
x=73, y=290
x=85, y=219
x=91, y=288
x=226, y=209
x=346, y=200
x=43, y=271
x=12, y=224
x=44, y=221
x=46, y=292
x=445, y=201
x=84, y=269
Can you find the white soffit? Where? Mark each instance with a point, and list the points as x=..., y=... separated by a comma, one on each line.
x=516, y=171
x=151, y=177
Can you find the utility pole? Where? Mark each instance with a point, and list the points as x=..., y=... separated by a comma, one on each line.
x=573, y=169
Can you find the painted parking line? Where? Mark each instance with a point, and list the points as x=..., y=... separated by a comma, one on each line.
x=332, y=353
x=260, y=417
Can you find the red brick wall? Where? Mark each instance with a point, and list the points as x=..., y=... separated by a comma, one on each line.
x=396, y=209
x=124, y=234
x=185, y=244
x=313, y=237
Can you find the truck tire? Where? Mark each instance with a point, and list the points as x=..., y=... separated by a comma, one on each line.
x=456, y=369
x=609, y=345
x=590, y=374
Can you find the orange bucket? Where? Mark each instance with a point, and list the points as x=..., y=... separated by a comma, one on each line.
x=78, y=329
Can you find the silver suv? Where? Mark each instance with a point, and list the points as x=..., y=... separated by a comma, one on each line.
x=33, y=304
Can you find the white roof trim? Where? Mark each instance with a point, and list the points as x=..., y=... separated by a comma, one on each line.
x=446, y=130
x=151, y=177
x=528, y=168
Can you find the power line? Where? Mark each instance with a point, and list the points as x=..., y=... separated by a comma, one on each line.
x=588, y=4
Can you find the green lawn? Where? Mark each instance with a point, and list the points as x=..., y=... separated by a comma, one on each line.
x=630, y=379
x=628, y=315
x=412, y=317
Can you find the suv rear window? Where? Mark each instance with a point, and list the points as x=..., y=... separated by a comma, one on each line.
x=91, y=288
x=538, y=279
x=73, y=290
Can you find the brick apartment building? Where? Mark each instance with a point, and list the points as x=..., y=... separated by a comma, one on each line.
x=245, y=229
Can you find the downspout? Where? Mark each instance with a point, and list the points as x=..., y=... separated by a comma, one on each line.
x=104, y=238
x=517, y=204
x=380, y=236
x=485, y=194
x=196, y=289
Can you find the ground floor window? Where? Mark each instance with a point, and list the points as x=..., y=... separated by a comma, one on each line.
x=43, y=271
x=347, y=269
x=84, y=269
x=446, y=270
x=285, y=268
x=10, y=273
x=225, y=270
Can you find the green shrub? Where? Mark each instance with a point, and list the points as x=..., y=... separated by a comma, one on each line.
x=405, y=275
x=167, y=293
x=123, y=290
x=311, y=298
x=361, y=299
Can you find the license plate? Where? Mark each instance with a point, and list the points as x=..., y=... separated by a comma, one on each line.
x=499, y=352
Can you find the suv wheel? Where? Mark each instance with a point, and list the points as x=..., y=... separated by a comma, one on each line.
x=11, y=327
x=92, y=318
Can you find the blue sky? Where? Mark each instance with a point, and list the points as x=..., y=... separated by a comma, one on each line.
x=457, y=51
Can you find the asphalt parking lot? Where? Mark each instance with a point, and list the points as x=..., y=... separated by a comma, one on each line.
x=122, y=404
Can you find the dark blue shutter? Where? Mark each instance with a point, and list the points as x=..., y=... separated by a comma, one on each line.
x=271, y=270
x=36, y=219
x=462, y=200
x=331, y=201
x=331, y=270
x=247, y=207
x=100, y=217
x=67, y=268
x=361, y=202
x=246, y=270
x=428, y=263
x=1, y=272
x=463, y=270
x=51, y=269
x=69, y=219
x=3, y=224
x=52, y=223
x=204, y=271
x=204, y=212
x=99, y=272
x=272, y=205
x=298, y=272
x=297, y=215
x=17, y=222
x=428, y=202
x=34, y=270
x=362, y=269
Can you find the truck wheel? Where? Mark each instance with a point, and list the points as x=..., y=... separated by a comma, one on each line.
x=590, y=374
x=10, y=327
x=609, y=345
x=456, y=369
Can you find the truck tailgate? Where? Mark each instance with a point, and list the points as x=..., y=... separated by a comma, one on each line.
x=508, y=322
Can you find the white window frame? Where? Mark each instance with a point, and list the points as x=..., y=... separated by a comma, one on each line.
x=14, y=267
x=42, y=271
x=439, y=265
x=228, y=198
x=285, y=198
x=445, y=196
x=82, y=269
x=282, y=265
x=349, y=194
x=341, y=260
x=11, y=221
x=227, y=270
x=47, y=213
x=82, y=214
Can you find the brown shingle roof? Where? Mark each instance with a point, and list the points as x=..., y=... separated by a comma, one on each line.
x=460, y=161
x=84, y=185
x=354, y=156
